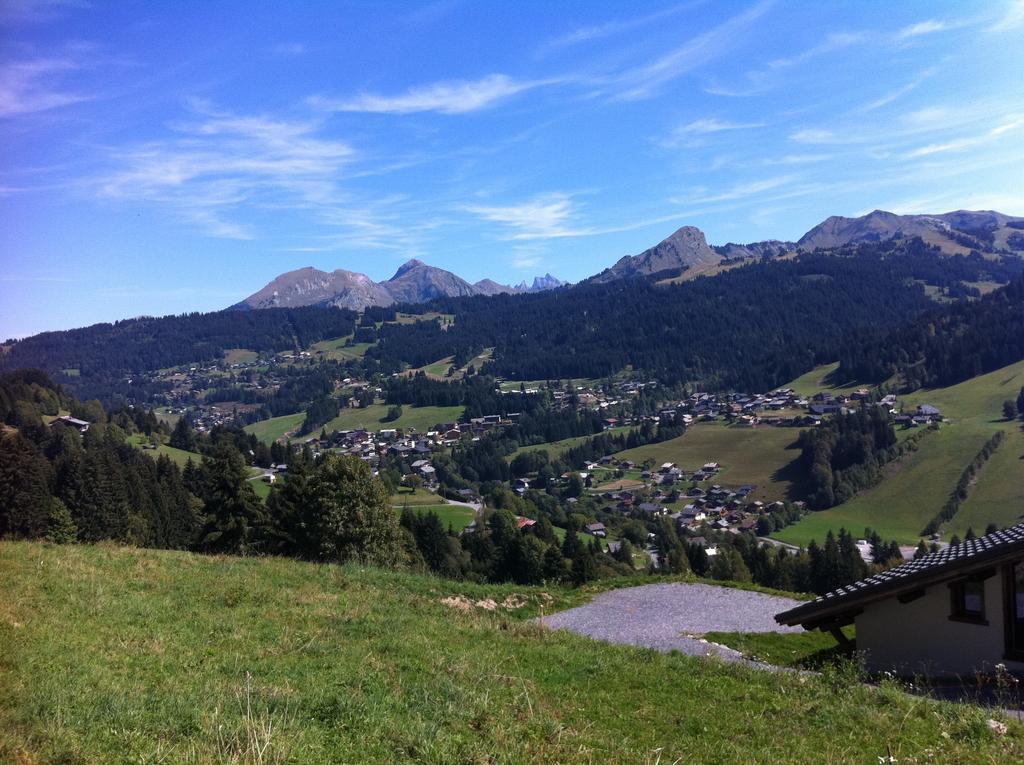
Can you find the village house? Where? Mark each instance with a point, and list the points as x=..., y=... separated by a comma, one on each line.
x=955, y=612
x=72, y=422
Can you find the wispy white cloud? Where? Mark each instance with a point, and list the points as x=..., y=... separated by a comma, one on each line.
x=37, y=11
x=692, y=132
x=451, y=97
x=524, y=261
x=1010, y=204
x=546, y=216
x=1012, y=125
x=798, y=159
x=895, y=95
x=833, y=42
x=1011, y=19
x=32, y=85
x=740, y=191
x=928, y=27
x=214, y=167
x=815, y=135
x=646, y=80
x=760, y=80
x=612, y=28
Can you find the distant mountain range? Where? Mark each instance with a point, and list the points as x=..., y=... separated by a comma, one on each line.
x=954, y=233
x=414, y=282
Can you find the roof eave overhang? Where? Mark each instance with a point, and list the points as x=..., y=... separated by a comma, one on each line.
x=810, y=615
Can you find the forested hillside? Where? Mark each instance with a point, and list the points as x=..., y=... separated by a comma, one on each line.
x=750, y=328
x=103, y=353
x=943, y=346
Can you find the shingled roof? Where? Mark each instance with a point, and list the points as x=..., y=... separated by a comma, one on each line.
x=947, y=564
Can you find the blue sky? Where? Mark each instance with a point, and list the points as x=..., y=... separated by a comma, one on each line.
x=163, y=157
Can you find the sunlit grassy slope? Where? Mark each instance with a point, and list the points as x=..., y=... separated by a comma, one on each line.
x=119, y=655
x=915, y=489
x=763, y=456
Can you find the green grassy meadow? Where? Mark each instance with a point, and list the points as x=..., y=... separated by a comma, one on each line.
x=763, y=457
x=261, y=488
x=118, y=655
x=587, y=382
x=556, y=448
x=404, y=496
x=412, y=318
x=916, y=488
x=240, y=356
x=436, y=370
x=456, y=516
x=178, y=456
x=423, y=418
x=270, y=430
x=337, y=349
x=816, y=381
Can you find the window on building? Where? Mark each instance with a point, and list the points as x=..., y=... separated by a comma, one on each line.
x=968, y=601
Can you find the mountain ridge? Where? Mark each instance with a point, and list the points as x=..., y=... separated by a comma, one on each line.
x=954, y=233
x=413, y=282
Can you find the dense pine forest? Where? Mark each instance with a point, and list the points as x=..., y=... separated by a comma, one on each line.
x=943, y=346
x=750, y=328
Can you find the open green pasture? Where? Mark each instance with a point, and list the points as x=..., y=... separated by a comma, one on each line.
x=118, y=655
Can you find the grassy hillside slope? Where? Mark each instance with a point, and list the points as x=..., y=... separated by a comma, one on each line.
x=763, y=457
x=915, y=489
x=423, y=418
x=270, y=430
x=120, y=655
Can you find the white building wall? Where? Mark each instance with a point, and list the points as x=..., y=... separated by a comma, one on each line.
x=919, y=638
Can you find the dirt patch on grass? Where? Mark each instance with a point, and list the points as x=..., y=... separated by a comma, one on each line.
x=465, y=605
x=625, y=483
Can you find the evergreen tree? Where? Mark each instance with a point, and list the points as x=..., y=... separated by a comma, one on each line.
x=571, y=545
x=673, y=552
x=555, y=569
x=61, y=527
x=183, y=437
x=25, y=478
x=234, y=518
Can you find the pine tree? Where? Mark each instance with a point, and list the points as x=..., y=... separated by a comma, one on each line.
x=61, y=527
x=25, y=478
x=234, y=517
x=183, y=437
x=571, y=545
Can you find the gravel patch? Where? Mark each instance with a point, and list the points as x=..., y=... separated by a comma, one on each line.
x=672, y=616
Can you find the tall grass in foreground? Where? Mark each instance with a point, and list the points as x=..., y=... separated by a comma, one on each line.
x=121, y=655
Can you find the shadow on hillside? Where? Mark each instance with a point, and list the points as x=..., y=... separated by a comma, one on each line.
x=833, y=380
x=793, y=474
